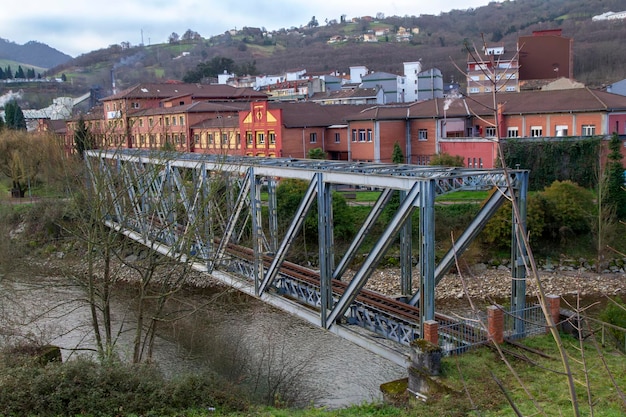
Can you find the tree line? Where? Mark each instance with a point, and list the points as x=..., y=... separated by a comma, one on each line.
x=8, y=74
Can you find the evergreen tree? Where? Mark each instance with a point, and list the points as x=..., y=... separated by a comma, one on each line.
x=397, y=157
x=1, y=124
x=615, y=193
x=20, y=72
x=14, y=117
x=30, y=73
x=8, y=72
x=3, y=76
x=82, y=137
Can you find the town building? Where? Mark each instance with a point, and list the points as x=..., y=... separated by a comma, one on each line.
x=245, y=123
x=546, y=54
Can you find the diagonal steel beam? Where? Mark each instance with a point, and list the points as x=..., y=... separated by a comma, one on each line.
x=373, y=215
x=296, y=223
x=360, y=279
x=462, y=243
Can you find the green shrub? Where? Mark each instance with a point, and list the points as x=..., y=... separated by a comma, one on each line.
x=569, y=209
x=82, y=386
x=615, y=314
x=497, y=232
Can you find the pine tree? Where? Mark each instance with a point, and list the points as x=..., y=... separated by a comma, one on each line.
x=20, y=72
x=14, y=116
x=397, y=157
x=9, y=73
x=82, y=137
x=3, y=76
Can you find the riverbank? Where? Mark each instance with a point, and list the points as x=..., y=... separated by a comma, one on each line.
x=483, y=283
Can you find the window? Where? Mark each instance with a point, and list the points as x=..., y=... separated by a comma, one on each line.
x=183, y=139
x=422, y=134
x=173, y=120
x=369, y=135
x=560, y=130
x=140, y=122
x=196, y=139
x=354, y=135
x=361, y=135
x=224, y=138
x=210, y=138
x=249, y=138
x=134, y=105
x=150, y=122
x=176, y=139
x=152, y=140
x=512, y=132
x=260, y=138
x=511, y=88
x=272, y=138
x=474, y=90
x=337, y=137
x=238, y=139
x=589, y=130
x=490, y=131
x=313, y=137
x=167, y=121
x=536, y=131
x=182, y=120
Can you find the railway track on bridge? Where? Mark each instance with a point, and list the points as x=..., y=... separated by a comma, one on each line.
x=389, y=310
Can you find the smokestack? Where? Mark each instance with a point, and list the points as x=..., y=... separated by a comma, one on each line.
x=114, y=90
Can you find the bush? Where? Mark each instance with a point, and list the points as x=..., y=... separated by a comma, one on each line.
x=569, y=209
x=85, y=387
x=615, y=314
x=497, y=232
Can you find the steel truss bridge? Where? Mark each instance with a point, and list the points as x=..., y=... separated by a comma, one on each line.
x=208, y=210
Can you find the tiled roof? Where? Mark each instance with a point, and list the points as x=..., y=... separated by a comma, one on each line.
x=167, y=91
x=314, y=115
x=345, y=94
x=526, y=102
x=229, y=122
x=197, y=107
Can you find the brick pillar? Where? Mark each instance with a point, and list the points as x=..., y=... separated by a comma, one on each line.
x=431, y=332
x=554, y=307
x=495, y=324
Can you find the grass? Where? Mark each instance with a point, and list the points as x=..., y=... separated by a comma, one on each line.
x=541, y=376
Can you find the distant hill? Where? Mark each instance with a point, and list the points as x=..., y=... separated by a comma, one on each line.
x=32, y=53
x=438, y=41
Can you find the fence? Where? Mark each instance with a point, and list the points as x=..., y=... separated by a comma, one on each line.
x=608, y=334
x=459, y=335
x=523, y=323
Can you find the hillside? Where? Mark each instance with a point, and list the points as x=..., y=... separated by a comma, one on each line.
x=32, y=53
x=440, y=42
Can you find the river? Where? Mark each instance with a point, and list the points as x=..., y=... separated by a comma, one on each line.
x=228, y=332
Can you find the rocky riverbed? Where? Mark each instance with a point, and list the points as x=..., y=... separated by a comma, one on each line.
x=483, y=282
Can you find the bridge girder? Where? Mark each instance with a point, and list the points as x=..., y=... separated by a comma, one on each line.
x=179, y=200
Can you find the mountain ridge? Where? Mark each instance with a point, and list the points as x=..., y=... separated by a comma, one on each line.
x=32, y=53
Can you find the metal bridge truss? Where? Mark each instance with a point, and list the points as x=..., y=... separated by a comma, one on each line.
x=199, y=207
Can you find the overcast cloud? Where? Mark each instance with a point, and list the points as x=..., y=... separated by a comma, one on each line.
x=76, y=27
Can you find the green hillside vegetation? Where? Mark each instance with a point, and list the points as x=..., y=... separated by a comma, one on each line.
x=440, y=43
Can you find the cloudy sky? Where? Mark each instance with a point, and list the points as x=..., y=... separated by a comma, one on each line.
x=76, y=27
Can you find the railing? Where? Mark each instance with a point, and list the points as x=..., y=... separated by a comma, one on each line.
x=526, y=322
x=461, y=334
x=609, y=334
